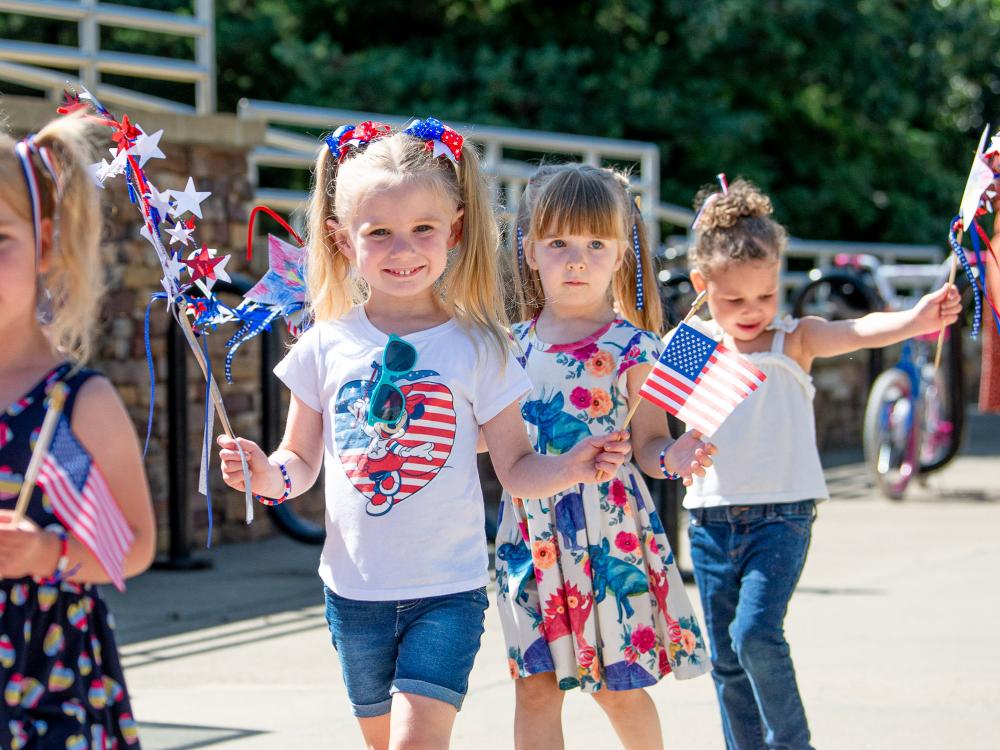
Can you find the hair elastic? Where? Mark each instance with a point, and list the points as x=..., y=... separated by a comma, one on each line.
x=520, y=251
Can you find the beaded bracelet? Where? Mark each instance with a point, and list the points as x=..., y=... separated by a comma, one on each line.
x=663, y=464
x=285, y=495
x=58, y=574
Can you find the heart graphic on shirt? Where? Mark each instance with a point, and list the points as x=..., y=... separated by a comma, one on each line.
x=388, y=466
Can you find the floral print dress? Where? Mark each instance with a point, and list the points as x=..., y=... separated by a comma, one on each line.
x=61, y=677
x=588, y=587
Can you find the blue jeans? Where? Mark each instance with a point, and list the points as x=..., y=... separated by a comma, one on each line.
x=747, y=562
x=420, y=646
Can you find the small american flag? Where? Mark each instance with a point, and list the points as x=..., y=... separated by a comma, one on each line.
x=82, y=501
x=700, y=381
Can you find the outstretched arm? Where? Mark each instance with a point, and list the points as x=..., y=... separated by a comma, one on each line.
x=826, y=338
x=524, y=473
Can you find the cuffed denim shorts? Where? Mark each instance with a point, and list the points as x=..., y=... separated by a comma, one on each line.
x=419, y=646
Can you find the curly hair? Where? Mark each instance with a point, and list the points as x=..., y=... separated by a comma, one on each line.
x=735, y=226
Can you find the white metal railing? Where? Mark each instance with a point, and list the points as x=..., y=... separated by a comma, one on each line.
x=30, y=63
x=818, y=254
x=290, y=150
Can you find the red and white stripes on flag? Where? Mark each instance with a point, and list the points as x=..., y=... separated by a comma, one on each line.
x=700, y=381
x=83, y=503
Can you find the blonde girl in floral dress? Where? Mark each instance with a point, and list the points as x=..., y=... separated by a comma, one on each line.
x=589, y=592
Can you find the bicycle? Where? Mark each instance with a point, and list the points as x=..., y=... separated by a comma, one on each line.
x=915, y=413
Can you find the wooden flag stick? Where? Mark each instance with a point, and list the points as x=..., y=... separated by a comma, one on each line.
x=951, y=280
x=695, y=306
x=57, y=399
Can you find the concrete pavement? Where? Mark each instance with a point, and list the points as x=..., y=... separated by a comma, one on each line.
x=893, y=629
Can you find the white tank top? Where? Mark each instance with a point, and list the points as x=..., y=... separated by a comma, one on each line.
x=767, y=446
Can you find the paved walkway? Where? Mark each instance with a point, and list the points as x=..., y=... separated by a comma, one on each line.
x=894, y=632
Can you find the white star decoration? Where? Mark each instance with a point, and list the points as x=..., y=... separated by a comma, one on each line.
x=188, y=199
x=179, y=233
x=159, y=201
x=147, y=147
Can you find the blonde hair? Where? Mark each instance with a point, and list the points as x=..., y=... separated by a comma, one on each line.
x=469, y=289
x=735, y=226
x=75, y=276
x=583, y=199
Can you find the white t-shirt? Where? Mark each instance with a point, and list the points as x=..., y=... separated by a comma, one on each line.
x=404, y=511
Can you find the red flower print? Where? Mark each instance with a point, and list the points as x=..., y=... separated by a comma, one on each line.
x=617, y=493
x=643, y=638
x=631, y=655
x=673, y=630
x=626, y=541
x=580, y=398
x=585, y=352
x=586, y=656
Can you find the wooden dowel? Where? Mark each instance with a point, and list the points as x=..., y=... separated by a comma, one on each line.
x=57, y=400
x=951, y=280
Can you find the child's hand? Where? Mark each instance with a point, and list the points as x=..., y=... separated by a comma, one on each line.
x=689, y=456
x=937, y=309
x=265, y=478
x=598, y=457
x=23, y=548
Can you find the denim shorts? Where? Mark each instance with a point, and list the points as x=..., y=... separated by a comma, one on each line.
x=419, y=646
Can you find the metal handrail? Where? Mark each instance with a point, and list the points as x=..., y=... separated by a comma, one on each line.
x=290, y=150
x=24, y=62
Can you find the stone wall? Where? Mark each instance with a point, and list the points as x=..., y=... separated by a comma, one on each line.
x=213, y=151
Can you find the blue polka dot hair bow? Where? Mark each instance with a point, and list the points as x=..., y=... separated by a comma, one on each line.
x=444, y=141
x=346, y=137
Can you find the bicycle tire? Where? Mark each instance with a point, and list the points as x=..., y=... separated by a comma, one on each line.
x=853, y=297
x=295, y=526
x=892, y=459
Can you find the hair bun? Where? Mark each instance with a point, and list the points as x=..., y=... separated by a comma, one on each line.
x=722, y=211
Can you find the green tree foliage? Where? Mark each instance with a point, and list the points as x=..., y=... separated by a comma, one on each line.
x=859, y=117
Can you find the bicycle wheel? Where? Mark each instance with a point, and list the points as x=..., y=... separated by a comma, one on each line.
x=835, y=297
x=892, y=433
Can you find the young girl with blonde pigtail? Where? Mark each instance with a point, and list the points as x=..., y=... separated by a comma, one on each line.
x=60, y=673
x=406, y=363
x=588, y=589
x=751, y=515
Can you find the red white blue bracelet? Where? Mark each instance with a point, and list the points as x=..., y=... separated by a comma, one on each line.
x=63, y=562
x=663, y=463
x=284, y=496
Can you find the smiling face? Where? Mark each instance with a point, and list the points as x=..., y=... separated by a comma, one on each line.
x=398, y=239
x=742, y=296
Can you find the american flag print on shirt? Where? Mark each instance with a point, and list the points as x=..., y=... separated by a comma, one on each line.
x=83, y=503
x=700, y=381
x=388, y=466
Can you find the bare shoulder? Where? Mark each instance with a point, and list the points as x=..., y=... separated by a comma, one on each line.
x=799, y=343
x=100, y=418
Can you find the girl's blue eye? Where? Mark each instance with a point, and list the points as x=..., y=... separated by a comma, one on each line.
x=424, y=228
x=596, y=245
x=557, y=243
x=379, y=233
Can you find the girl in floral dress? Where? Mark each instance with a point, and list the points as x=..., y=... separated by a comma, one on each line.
x=589, y=592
